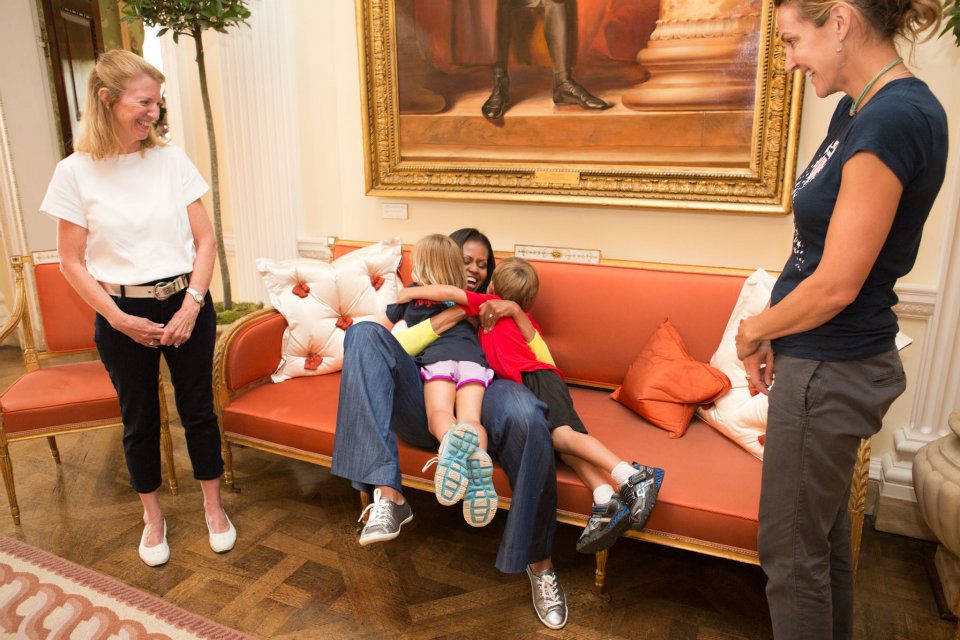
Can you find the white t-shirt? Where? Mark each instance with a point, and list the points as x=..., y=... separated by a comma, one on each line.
x=134, y=209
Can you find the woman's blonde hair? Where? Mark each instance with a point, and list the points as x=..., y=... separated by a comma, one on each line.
x=515, y=279
x=905, y=19
x=114, y=69
x=437, y=259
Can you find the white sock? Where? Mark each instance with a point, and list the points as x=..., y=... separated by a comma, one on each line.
x=622, y=472
x=602, y=494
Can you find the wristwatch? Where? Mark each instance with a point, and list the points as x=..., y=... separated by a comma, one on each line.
x=196, y=295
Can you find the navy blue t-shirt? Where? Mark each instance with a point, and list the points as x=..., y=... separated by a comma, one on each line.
x=905, y=126
x=457, y=343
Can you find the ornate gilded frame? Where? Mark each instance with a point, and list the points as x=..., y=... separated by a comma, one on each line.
x=763, y=187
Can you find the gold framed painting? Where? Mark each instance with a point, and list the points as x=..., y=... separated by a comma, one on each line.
x=678, y=104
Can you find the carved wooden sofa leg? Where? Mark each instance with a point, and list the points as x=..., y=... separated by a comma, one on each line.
x=54, y=451
x=600, y=577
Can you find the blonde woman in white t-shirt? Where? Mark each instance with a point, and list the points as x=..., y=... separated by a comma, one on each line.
x=135, y=242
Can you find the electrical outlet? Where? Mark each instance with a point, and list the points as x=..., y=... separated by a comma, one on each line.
x=395, y=210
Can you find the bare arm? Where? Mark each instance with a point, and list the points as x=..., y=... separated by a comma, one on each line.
x=434, y=292
x=72, y=247
x=865, y=209
x=180, y=327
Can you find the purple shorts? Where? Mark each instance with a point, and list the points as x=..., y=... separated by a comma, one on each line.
x=461, y=372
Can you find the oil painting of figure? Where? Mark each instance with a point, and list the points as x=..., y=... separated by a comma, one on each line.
x=638, y=83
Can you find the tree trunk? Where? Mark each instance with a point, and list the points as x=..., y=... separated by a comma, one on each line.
x=214, y=172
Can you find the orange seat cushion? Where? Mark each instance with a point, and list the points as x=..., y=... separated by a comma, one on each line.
x=711, y=487
x=665, y=384
x=59, y=395
x=300, y=414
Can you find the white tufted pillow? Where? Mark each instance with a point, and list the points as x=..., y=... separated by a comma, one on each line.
x=321, y=300
x=738, y=415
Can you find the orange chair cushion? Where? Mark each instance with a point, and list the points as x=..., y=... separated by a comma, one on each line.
x=60, y=395
x=67, y=319
x=665, y=383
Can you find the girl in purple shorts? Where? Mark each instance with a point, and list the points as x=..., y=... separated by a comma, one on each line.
x=455, y=375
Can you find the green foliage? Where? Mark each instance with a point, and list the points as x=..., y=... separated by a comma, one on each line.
x=951, y=11
x=236, y=311
x=188, y=17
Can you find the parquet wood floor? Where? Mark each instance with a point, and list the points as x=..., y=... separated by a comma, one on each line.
x=298, y=572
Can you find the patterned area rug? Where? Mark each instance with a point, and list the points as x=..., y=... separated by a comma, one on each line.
x=43, y=596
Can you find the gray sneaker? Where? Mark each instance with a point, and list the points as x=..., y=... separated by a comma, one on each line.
x=607, y=522
x=549, y=601
x=386, y=518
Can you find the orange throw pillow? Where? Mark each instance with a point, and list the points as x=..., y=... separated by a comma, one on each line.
x=665, y=384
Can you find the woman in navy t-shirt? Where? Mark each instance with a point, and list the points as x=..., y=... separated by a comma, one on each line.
x=859, y=210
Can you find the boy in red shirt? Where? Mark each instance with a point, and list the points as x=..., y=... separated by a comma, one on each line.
x=516, y=351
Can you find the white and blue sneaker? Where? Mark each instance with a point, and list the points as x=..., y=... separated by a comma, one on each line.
x=640, y=492
x=480, y=501
x=450, y=478
x=608, y=521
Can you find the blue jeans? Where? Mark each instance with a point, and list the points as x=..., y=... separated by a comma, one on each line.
x=381, y=394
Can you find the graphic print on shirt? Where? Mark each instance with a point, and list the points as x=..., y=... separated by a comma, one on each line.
x=811, y=172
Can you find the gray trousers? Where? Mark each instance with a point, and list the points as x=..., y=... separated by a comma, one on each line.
x=819, y=411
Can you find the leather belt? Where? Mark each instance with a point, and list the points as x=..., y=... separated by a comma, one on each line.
x=160, y=290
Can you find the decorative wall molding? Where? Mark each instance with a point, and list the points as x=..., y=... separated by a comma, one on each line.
x=261, y=151
x=916, y=301
x=937, y=390
x=316, y=248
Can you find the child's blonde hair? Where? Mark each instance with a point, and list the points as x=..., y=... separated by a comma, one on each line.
x=437, y=259
x=515, y=279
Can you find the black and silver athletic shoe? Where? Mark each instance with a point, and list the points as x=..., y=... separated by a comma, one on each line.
x=608, y=521
x=639, y=493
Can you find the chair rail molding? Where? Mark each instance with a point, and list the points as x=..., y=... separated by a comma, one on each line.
x=262, y=143
x=938, y=387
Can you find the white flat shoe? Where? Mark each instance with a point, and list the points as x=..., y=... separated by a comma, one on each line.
x=223, y=542
x=156, y=555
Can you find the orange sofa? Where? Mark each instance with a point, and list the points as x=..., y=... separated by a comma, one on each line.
x=595, y=318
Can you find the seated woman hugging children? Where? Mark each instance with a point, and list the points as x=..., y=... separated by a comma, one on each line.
x=455, y=376
x=516, y=351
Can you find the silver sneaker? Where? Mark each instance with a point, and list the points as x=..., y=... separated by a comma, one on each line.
x=386, y=518
x=549, y=601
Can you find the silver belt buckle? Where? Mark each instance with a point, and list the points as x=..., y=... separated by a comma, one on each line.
x=163, y=290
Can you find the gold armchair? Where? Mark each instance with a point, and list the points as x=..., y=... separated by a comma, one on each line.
x=61, y=398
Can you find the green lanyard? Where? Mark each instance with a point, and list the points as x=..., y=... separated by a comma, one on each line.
x=866, y=89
